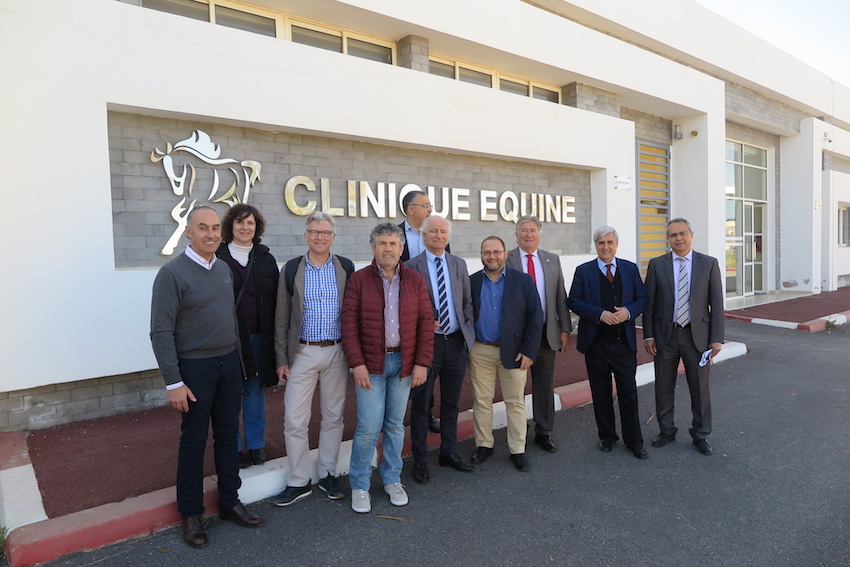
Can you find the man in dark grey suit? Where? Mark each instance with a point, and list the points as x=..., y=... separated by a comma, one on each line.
x=454, y=334
x=545, y=269
x=683, y=319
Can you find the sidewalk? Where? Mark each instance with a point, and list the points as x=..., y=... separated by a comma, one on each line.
x=809, y=313
x=85, y=485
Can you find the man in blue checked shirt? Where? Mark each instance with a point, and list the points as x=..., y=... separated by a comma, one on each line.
x=308, y=350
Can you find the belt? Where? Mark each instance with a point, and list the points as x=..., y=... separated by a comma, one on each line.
x=320, y=343
x=393, y=349
x=490, y=343
x=445, y=336
x=678, y=326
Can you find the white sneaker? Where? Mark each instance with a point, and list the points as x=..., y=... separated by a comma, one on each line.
x=360, y=501
x=398, y=497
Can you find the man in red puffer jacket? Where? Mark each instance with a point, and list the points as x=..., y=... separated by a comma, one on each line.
x=388, y=340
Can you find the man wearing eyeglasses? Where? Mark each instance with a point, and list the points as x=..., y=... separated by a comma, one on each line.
x=309, y=351
x=683, y=321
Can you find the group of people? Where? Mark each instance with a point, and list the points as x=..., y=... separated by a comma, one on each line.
x=411, y=317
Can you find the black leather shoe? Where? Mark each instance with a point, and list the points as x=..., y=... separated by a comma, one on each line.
x=241, y=515
x=194, y=533
x=639, y=452
x=433, y=424
x=258, y=456
x=520, y=462
x=455, y=462
x=481, y=454
x=420, y=473
x=545, y=443
x=244, y=460
x=605, y=445
x=703, y=447
x=663, y=439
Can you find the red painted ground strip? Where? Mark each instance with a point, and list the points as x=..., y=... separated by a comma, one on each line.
x=813, y=326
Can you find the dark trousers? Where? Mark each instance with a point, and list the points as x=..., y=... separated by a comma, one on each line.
x=680, y=345
x=450, y=356
x=216, y=382
x=543, y=389
x=607, y=356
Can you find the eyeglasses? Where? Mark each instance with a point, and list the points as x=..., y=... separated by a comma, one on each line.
x=426, y=207
x=682, y=234
x=316, y=233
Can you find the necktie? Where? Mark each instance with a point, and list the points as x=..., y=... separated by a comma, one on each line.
x=442, y=298
x=531, y=267
x=683, y=295
x=608, y=273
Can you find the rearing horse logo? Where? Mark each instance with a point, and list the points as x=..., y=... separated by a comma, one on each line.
x=202, y=147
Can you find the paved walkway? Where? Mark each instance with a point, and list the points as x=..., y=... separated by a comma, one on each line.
x=808, y=313
x=83, y=485
x=773, y=495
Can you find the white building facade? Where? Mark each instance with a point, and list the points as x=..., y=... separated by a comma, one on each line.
x=118, y=115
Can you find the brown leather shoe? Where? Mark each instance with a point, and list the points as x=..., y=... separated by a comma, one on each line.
x=242, y=516
x=194, y=533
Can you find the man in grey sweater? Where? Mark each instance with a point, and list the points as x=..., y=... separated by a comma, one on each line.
x=195, y=341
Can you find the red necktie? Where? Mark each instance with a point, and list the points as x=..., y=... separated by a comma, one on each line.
x=531, y=267
x=608, y=274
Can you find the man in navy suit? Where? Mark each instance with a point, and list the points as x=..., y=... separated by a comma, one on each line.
x=684, y=318
x=508, y=326
x=454, y=332
x=608, y=294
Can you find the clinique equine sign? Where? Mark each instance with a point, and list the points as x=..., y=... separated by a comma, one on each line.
x=231, y=182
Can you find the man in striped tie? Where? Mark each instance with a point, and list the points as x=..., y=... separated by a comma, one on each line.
x=683, y=319
x=454, y=334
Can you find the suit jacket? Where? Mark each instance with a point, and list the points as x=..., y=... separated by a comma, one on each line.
x=522, y=316
x=586, y=301
x=405, y=254
x=557, y=311
x=461, y=291
x=706, y=301
x=290, y=304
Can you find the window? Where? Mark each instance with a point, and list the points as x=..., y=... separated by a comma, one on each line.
x=240, y=20
x=341, y=41
x=316, y=38
x=492, y=79
x=844, y=224
x=187, y=8
x=475, y=77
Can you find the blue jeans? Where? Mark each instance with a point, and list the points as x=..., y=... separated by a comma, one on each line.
x=384, y=405
x=253, y=405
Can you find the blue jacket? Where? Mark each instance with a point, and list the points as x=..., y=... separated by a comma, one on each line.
x=586, y=302
x=522, y=316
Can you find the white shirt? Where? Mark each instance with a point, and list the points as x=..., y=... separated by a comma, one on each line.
x=538, y=275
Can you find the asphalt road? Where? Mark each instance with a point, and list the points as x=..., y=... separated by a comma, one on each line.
x=773, y=494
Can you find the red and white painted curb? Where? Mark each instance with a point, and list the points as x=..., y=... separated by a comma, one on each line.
x=812, y=326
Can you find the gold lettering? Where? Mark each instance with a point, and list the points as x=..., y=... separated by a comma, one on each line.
x=289, y=195
x=325, y=185
x=488, y=203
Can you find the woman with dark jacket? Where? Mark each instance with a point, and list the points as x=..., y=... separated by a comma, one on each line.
x=255, y=277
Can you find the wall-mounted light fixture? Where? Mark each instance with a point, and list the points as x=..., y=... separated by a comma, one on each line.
x=677, y=132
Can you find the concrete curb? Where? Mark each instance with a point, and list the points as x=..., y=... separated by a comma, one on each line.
x=35, y=539
x=812, y=326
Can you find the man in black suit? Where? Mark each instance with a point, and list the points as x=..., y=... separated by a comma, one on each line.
x=454, y=333
x=508, y=325
x=608, y=294
x=416, y=207
x=683, y=320
x=545, y=269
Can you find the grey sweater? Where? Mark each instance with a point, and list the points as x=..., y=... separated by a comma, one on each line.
x=192, y=314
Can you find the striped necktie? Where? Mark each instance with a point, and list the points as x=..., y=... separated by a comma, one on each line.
x=442, y=297
x=683, y=315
